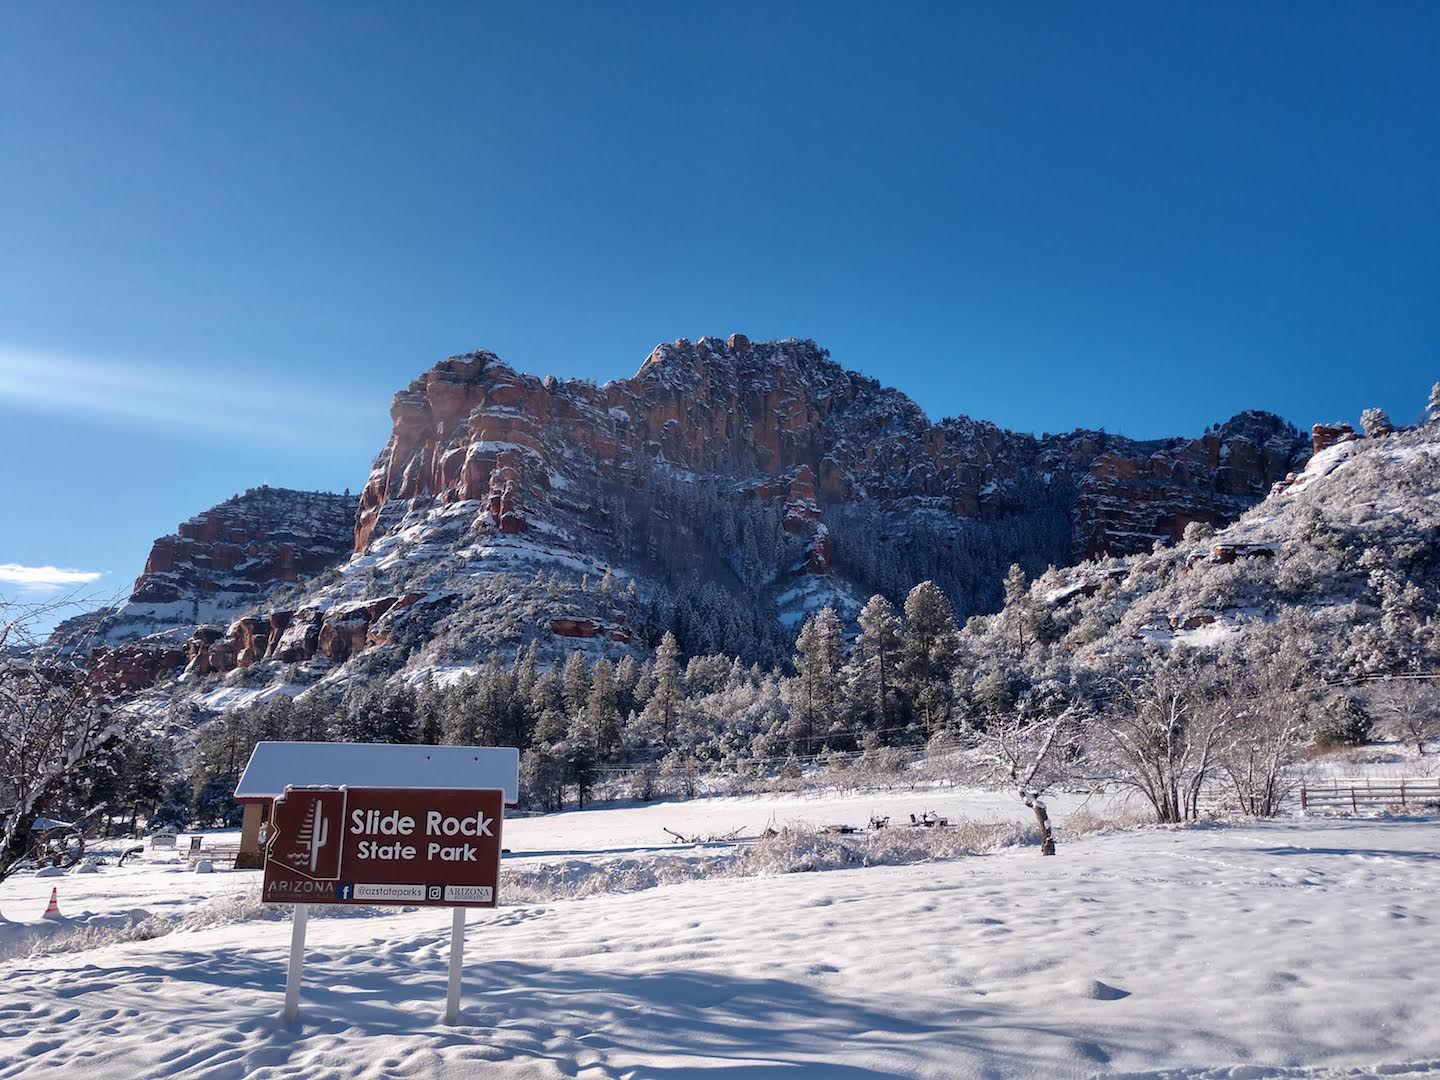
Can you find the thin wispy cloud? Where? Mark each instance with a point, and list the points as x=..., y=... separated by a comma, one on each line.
x=38, y=579
x=193, y=398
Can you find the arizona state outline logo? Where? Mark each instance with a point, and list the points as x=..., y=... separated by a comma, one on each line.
x=308, y=832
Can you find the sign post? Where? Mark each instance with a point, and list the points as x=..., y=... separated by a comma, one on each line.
x=291, y=1012
x=457, y=961
x=413, y=846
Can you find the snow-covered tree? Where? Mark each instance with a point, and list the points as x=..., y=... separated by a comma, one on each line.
x=1409, y=710
x=627, y=677
x=1376, y=422
x=817, y=663
x=1151, y=737
x=929, y=652
x=1027, y=748
x=602, y=712
x=575, y=682
x=662, y=712
x=429, y=713
x=55, y=721
x=547, y=707
x=1259, y=700
x=1023, y=617
x=872, y=688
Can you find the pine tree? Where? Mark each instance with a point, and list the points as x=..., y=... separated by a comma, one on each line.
x=430, y=712
x=1376, y=422
x=527, y=668
x=817, y=662
x=575, y=683
x=310, y=719
x=627, y=676
x=602, y=713
x=395, y=719
x=523, y=679
x=663, y=708
x=491, y=702
x=461, y=715
x=877, y=650
x=548, y=708
x=929, y=653
x=1020, y=617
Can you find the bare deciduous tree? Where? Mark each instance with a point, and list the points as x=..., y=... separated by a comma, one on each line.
x=1261, y=708
x=1028, y=747
x=54, y=720
x=1409, y=711
x=1150, y=736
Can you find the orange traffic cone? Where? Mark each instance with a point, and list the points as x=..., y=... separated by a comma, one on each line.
x=52, y=909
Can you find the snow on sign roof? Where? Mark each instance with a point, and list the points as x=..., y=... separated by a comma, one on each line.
x=275, y=765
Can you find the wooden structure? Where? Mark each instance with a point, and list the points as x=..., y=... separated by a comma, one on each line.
x=1369, y=793
x=274, y=766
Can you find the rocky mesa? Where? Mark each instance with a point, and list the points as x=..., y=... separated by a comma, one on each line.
x=707, y=484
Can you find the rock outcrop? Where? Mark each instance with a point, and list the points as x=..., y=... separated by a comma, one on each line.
x=1323, y=436
x=246, y=546
x=1129, y=499
x=805, y=430
x=292, y=637
x=221, y=563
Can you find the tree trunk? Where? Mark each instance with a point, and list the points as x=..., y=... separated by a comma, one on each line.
x=1042, y=819
x=19, y=842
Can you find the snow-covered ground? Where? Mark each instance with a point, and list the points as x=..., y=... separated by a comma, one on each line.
x=1292, y=947
x=1389, y=760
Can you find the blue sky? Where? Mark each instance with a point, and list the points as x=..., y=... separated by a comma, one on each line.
x=229, y=232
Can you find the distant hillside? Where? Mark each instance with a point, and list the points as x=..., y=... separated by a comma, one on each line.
x=1344, y=557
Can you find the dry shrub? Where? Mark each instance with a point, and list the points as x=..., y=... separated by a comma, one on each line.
x=793, y=849
x=800, y=848
x=1086, y=820
x=574, y=878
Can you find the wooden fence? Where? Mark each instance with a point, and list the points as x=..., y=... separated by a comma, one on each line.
x=1369, y=793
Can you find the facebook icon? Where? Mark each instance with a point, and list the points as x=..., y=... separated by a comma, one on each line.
x=344, y=890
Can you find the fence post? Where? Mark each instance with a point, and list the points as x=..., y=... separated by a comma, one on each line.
x=1402, y=791
x=1353, y=807
x=1304, y=803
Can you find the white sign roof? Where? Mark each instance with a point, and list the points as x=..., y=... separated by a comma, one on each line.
x=276, y=765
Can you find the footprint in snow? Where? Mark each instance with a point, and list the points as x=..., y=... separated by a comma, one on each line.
x=1282, y=980
x=1090, y=1051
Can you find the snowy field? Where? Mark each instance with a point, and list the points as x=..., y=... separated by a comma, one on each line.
x=1287, y=948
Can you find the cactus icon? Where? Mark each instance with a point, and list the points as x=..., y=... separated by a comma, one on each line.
x=318, y=841
x=312, y=836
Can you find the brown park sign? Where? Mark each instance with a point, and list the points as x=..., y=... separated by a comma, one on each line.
x=413, y=846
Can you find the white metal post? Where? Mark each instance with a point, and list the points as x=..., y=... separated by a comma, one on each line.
x=291, y=1012
x=457, y=960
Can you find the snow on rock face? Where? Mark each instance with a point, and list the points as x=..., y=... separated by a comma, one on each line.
x=1345, y=547
x=1128, y=500
x=492, y=476
x=783, y=408
x=266, y=536
x=216, y=566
